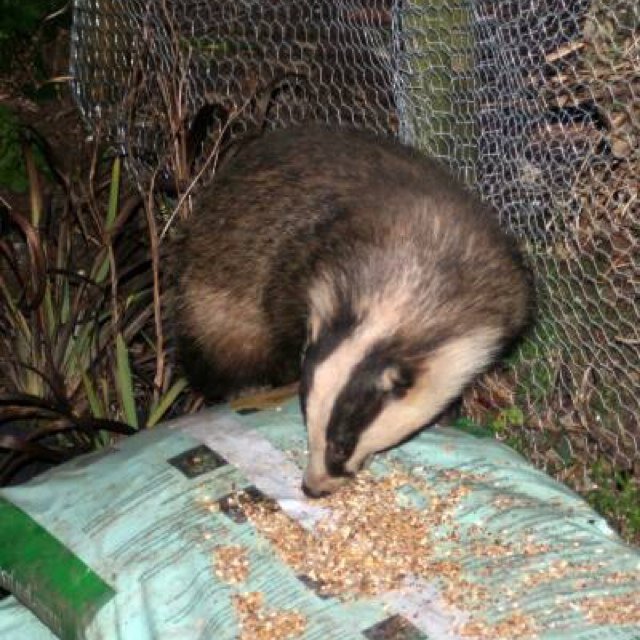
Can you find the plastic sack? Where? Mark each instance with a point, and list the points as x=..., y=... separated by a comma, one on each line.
x=126, y=543
x=18, y=623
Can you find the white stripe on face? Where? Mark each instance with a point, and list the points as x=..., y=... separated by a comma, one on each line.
x=441, y=380
x=330, y=377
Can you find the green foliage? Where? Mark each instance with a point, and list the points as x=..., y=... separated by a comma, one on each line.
x=13, y=172
x=124, y=380
x=159, y=409
x=469, y=426
x=617, y=496
x=506, y=418
x=78, y=359
x=499, y=424
x=25, y=27
x=20, y=18
x=504, y=424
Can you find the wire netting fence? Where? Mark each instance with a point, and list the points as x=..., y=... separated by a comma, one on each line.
x=534, y=103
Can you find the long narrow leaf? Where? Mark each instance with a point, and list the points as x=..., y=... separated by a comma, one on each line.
x=18, y=320
x=65, y=302
x=51, y=327
x=104, y=391
x=125, y=382
x=94, y=402
x=37, y=261
x=101, y=266
x=35, y=192
x=114, y=194
x=33, y=450
x=166, y=401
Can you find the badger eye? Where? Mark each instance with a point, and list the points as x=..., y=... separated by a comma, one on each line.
x=400, y=387
x=396, y=381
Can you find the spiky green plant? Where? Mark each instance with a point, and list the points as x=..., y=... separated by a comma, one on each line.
x=79, y=321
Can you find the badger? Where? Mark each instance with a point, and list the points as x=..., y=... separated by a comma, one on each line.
x=356, y=265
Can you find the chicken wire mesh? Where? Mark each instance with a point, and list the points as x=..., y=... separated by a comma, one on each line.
x=534, y=103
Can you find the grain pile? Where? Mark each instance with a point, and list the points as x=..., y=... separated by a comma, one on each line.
x=258, y=623
x=376, y=536
x=255, y=621
x=616, y=610
x=590, y=575
x=372, y=542
x=515, y=625
x=231, y=564
x=368, y=545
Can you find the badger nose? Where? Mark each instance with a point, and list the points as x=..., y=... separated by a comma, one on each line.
x=310, y=493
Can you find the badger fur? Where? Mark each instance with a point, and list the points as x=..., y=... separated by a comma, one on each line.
x=361, y=267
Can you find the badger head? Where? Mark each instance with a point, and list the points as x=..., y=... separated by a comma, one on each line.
x=373, y=376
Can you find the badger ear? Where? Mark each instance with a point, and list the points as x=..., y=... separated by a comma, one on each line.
x=395, y=379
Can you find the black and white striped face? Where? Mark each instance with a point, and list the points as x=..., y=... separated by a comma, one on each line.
x=363, y=391
x=338, y=417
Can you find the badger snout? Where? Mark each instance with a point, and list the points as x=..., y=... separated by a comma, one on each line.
x=323, y=477
x=320, y=484
x=310, y=493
